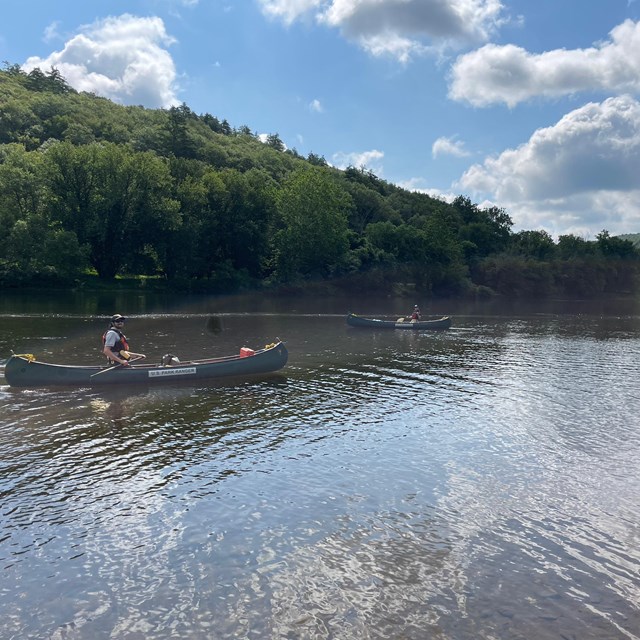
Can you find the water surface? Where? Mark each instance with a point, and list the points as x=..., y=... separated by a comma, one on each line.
x=480, y=482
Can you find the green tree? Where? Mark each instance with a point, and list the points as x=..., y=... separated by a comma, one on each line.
x=316, y=160
x=534, y=244
x=245, y=222
x=180, y=143
x=21, y=183
x=613, y=247
x=200, y=197
x=40, y=252
x=15, y=120
x=572, y=246
x=487, y=229
x=369, y=206
x=274, y=141
x=314, y=211
x=115, y=200
x=515, y=276
x=433, y=258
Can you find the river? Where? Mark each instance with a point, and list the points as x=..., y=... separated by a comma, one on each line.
x=476, y=483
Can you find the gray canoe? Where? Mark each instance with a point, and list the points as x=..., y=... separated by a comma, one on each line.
x=354, y=320
x=24, y=370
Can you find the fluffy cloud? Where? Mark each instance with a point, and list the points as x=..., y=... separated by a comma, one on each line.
x=371, y=160
x=121, y=58
x=449, y=147
x=398, y=28
x=316, y=106
x=51, y=32
x=509, y=74
x=289, y=10
x=418, y=185
x=577, y=175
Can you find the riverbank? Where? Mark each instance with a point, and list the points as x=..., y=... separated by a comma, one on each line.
x=375, y=285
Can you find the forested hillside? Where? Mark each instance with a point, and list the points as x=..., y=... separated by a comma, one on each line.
x=632, y=237
x=89, y=186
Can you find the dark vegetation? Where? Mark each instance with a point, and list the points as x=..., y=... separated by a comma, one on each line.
x=89, y=188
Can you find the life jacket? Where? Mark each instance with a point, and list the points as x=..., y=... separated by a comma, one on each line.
x=121, y=343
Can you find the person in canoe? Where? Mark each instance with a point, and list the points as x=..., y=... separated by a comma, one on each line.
x=115, y=345
x=415, y=314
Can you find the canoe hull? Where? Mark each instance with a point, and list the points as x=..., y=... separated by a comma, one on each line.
x=21, y=371
x=370, y=323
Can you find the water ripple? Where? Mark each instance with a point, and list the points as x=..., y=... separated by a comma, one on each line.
x=481, y=483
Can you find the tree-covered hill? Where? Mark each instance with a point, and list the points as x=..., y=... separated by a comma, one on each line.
x=631, y=237
x=90, y=186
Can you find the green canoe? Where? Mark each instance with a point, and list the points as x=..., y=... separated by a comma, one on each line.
x=25, y=370
x=354, y=320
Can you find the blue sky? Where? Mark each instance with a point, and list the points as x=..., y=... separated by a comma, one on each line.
x=530, y=106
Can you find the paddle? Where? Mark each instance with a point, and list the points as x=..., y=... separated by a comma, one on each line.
x=93, y=375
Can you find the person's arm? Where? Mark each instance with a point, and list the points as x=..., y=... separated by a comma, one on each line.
x=136, y=355
x=112, y=355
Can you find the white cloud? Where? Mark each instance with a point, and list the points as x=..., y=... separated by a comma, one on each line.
x=450, y=147
x=577, y=176
x=121, y=58
x=398, y=28
x=393, y=45
x=316, y=106
x=509, y=74
x=371, y=160
x=417, y=184
x=51, y=32
x=289, y=10
x=412, y=184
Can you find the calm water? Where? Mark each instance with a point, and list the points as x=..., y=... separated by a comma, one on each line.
x=477, y=483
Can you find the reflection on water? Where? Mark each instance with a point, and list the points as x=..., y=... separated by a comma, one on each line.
x=476, y=483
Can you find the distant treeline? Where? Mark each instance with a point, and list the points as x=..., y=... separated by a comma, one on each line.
x=89, y=186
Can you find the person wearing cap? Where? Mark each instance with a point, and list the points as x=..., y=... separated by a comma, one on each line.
x=415, y=316
x=115, y=345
